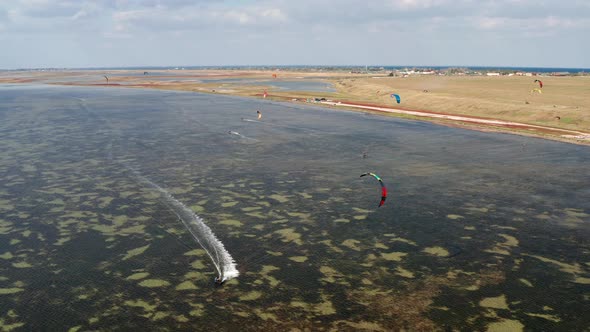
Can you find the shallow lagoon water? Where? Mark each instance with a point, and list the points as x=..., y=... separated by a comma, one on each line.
x=287, y=85
x=480, y=230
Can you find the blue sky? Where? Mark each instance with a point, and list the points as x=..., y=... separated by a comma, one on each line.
x=83, y=33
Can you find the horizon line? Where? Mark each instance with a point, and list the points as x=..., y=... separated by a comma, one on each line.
x=289, y=66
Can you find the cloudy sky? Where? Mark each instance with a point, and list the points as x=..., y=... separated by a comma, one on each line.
x=85, y=33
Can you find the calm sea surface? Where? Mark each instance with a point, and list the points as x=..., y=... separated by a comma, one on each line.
x=479, y=230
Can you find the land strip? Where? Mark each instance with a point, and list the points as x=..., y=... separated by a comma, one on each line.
x=505, y=104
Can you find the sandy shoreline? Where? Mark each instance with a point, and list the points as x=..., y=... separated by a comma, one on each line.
x=462, y=121
x=476, y=120
x=472, y=103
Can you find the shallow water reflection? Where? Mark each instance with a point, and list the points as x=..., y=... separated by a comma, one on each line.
x=479, y=230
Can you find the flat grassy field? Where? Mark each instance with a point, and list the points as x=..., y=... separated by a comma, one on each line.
x=564, y=103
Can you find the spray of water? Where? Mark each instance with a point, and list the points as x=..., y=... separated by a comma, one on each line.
x=235, y=133
x=203, y=235
x=222, y=260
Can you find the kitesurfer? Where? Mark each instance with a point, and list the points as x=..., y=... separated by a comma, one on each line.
x=219, y=281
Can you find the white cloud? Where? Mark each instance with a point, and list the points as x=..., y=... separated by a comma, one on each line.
x=418, y=4
x=491, y=22
x=189, y=18
x=346, y=31
x=549, y=24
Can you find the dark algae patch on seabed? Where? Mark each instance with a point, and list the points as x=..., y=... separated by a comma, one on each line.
x=479, y=231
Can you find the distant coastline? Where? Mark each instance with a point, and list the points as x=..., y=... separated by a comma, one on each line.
x=369, y=68
x=455, y=96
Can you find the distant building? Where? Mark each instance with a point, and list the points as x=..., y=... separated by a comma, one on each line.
x=493, y=74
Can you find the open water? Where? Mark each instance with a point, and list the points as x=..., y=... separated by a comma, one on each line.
x=480, y=230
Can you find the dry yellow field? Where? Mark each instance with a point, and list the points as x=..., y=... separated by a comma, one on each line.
x=564, y=103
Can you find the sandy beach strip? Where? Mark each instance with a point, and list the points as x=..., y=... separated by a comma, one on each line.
x=564, y=133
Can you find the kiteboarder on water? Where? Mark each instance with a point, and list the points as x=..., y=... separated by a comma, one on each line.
x=219, y=281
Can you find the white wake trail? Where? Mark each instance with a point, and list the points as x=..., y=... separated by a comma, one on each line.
x=203, y=235
x=231, y=132
x=222, y=260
